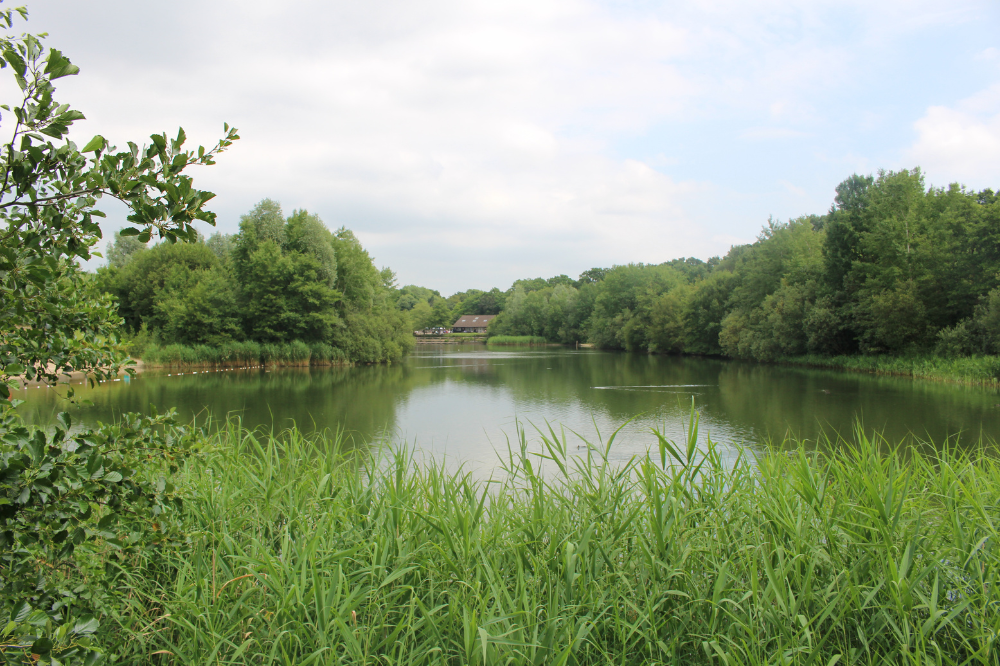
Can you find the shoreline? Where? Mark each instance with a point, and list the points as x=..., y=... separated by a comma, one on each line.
x=980, y=371
x=897, y=367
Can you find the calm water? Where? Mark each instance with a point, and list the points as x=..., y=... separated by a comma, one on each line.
x=464, y=401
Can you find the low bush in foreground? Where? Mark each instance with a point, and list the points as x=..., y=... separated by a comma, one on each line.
x=981, y=370
x=858, y=554
x=516, y=340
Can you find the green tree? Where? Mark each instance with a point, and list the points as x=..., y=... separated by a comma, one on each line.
x=441, y=315
x=222, y=245
x=306, y=234
x=123, y=250
x=164, y=271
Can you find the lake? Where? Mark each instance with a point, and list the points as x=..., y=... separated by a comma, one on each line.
x=464, y=401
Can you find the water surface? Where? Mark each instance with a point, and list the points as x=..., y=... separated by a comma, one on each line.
x=464, y=401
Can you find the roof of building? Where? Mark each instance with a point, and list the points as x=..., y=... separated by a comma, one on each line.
x=473, y=321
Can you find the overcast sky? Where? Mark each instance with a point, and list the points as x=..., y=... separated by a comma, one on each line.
x=472, y=143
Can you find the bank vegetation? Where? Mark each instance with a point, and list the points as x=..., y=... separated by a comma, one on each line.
x=283, y=290
x=286, y=548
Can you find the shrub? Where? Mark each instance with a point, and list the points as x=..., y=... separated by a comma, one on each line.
x=80, y=514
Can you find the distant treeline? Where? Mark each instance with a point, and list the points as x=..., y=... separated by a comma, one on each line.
x=893, y=268
x=278, y=281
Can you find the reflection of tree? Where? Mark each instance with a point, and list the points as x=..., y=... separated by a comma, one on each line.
x=762, y=399
x=777, y=400
x=769, y=401
x=361, y=399
x=565, y=378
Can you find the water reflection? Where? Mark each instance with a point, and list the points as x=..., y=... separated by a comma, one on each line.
x=464, y=401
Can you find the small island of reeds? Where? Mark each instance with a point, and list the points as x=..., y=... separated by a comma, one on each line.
x=501, y=340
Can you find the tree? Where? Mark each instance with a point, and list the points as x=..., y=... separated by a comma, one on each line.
x=59, y=493
x=222, y=245
x=48, y=198
x=123, y=250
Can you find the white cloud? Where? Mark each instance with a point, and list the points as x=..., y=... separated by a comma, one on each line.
x=961, y=143
x=771, y=133
x=797, y=191
x=470, y=142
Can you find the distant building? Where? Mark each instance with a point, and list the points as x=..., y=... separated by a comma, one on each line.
x=472, y=323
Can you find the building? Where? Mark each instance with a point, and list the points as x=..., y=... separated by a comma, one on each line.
x=472, y=323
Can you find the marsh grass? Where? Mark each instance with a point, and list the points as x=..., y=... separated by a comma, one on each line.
x=303, y=553
x=978, y=370
x=516, y=340
x=236, y=354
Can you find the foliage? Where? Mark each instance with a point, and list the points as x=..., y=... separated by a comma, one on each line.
x=76, y=513
x=123, y=250
x=243, y=354
x=894, y=268
x=977, y=369
x=51, y=320
x=76, y=510
x=279, y=280
x=850, y=553
x=429, y=309
x=516, y=340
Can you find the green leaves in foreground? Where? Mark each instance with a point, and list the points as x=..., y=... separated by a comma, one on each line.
x=75, y=511
x=52, y=319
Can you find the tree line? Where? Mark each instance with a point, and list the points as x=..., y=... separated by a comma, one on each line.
x=894, y=267
x=280, y=279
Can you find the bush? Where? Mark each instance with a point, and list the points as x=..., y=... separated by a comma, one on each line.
x=79, y=516
x=955, y=341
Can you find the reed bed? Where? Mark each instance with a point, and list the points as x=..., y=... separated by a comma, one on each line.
x=237, y=354
x=979, y=370
x=300, y=553
x=516, y=340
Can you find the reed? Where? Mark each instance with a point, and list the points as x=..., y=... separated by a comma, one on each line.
x=978, y=370
x=516, y=340
x=237, y=354
x=303, y=553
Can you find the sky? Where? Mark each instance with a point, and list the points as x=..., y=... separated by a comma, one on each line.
x=469, y=144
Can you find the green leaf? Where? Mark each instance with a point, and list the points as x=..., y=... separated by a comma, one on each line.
x=18, y=613
x=64, y=420
x=113, y=477
x=37, y=618
x=129, y=231
x=95, y=145
x=59, y=65
x=87, y=624
x=42, y=646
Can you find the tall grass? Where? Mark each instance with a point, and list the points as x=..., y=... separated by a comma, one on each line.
x=300, y=555
x=233, y=354
x=516, y=340
x=980, y=370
